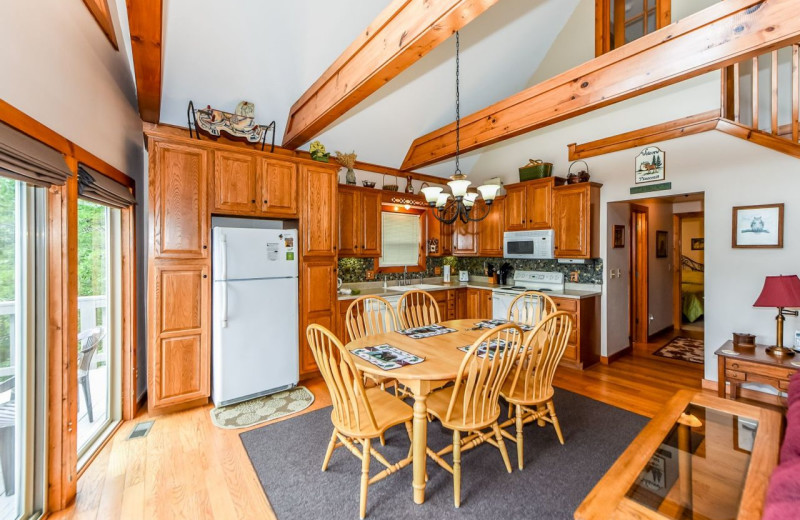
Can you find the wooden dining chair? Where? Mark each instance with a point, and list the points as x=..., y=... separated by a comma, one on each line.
x=530, y=307
x=417, y=309
x=529, y=387
x=472, y=404
x=368, y=316
x=359, y=414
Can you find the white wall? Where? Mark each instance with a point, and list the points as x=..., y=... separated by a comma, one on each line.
x=616, y=288
x=59, y=68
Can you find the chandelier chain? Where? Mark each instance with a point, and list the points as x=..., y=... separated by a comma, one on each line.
x=458, y=107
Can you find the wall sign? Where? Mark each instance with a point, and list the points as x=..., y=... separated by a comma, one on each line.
x=662, y=186
x=650, y=165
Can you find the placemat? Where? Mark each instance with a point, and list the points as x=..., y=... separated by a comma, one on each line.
x=490, y=324
x=427, y=331
x=491, y=346
x=387, y=357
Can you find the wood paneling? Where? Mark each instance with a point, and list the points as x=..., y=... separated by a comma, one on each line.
x=402, y=34
x=180, y=359
x=278, y=188
x=145, y=25
x=178, y=194
x=490, y=229
x=713, y=38
x=576, y=214
x=319, y=211
x=234, y=183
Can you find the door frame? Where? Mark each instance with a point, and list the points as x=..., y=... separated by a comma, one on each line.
x=677, y=268
x=639, y=292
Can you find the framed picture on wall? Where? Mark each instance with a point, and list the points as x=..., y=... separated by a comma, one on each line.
x=758, y=226
x=661, y=244
x=619, y=236
x=698, y=244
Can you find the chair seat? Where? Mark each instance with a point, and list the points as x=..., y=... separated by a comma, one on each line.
x=439, y=401
x=519, y=397
x=389, y=411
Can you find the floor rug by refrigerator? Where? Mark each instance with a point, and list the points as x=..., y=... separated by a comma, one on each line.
x=262, y=409
x=684, y=349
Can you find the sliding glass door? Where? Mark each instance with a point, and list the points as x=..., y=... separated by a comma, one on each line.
x=22, y=348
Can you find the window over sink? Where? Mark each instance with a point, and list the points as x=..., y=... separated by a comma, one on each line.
x=402, y=237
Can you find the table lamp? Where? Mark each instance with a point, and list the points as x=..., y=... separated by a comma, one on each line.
x=780, y=292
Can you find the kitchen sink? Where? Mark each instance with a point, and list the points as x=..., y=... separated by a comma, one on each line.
x=415, y=287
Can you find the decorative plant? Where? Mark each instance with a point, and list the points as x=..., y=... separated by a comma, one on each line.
x=348, y=160
x=318, y=152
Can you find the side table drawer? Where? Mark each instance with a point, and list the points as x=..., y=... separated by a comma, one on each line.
x=758, y=368
x=735, y=374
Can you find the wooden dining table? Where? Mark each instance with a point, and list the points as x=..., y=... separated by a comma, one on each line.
x=442, y=360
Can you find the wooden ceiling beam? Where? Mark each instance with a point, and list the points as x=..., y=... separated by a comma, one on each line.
x=402, y=34
x=711, y=39
x=145, y=19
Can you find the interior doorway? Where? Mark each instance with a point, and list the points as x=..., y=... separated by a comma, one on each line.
x=689, y=278
x=639, y=289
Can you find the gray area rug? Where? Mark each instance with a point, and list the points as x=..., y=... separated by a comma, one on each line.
x=287, y=457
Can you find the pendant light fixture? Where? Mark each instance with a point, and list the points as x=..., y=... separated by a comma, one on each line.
x=461, y=203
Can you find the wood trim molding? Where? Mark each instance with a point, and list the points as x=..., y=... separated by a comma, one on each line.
x=145, y=25
x=22, y=122
x=402, y=34
x=130, y=370
x=602, y=22
x=778, y=144
x=652, y=134
x=713, y=38
x=607, y=360
x=102, y=15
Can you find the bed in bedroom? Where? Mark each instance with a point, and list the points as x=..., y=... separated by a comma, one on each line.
x=691, y=289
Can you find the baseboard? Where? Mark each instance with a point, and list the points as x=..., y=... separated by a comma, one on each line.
x=607, y=360
x=659, y=332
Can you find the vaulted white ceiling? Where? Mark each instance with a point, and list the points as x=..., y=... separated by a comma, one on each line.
x=269, y=53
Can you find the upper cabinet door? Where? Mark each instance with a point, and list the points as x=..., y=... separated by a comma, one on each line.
x=278, y=188
x=178, y=192
x=349, y=225
x=572, y=221
x=538, y=205
x=515, y=208
x=465, y=238
x=234, y=183
x=319, y=211
x=370, y=223
x=490, y=236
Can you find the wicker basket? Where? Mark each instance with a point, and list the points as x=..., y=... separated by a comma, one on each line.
x=390, y=187
x=535, y=169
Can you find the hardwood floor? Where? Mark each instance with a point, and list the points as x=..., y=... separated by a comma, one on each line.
x=188, y=468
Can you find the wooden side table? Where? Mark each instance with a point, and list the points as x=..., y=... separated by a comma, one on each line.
x=752, y=366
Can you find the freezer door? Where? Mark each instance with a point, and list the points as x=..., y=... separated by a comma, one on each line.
x=255, y=337
x=245, y=254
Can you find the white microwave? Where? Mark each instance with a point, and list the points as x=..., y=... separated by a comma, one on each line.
x=536, y=244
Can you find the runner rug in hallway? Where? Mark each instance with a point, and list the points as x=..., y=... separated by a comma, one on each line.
x=287, y=457
x=684, y=349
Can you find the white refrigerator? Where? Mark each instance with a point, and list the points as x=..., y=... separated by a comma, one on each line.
x=255, y=328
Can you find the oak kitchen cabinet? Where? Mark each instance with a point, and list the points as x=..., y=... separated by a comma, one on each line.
x=479, y=304
x=583, y=345
x=465, y=238
x=576, y=218
x=359, y=221
x=248, y=185
x=490, y=229
x=441, y=232
x=528, y=204
x=188, y=181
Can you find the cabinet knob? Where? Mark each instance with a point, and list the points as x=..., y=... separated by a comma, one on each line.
x=356, y=247
x=253, y=201
x=205, y=276
x=265, y=201
x=735, y=365
x=205, y=247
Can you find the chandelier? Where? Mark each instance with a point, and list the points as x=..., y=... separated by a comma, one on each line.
x=461, y=204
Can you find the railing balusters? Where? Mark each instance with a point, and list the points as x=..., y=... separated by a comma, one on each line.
x=755, y=92
x=795, y=91
x=736, y=107
x=774, y=95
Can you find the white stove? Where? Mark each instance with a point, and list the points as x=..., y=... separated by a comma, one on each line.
x=524, y=281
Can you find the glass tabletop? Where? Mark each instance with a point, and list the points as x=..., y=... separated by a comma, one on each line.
x=699, y=469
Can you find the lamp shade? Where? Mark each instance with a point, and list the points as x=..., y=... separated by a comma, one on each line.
x=459, y=187
x=780, y=291
x=431, y=194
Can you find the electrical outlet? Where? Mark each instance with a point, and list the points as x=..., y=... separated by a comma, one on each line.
x=574, y=276
x=370, y=275
x=437, y=270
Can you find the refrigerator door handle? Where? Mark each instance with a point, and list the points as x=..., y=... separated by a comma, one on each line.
x=224, y=304
x=224, y=283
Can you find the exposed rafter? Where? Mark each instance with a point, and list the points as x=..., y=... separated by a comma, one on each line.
x=145, y=22
x=711, y=39
x=402, y=34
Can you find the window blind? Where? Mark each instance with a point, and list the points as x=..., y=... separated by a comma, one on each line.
x=96, y=187
x=25, y=159
x=400, y=232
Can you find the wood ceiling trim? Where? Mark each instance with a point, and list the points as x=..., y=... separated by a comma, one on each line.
x=402, y=34
x=102, y=15
x=652, y=134
x=145, y=23
x=779, y=144
x=711, y=39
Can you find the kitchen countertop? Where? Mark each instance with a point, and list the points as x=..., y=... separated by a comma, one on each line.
x=368, y=289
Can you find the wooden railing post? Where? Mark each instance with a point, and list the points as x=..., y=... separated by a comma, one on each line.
x=795, y=90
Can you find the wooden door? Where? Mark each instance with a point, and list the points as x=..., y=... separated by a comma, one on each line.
x=234, y=183
x=474, y=309
x=486, y=304
x=571, y=221
x=319, y=211
x=278, y=188
x=515, y=208
x=370, y=217
x=490, y=236
x=178, y=194
x=349, y=225
x=639, y=293
x=441, y=302
x=180, y=357
x=461, y=304
x=318, y=297
x=446, y=239
x=465, y=238
x=539, y=209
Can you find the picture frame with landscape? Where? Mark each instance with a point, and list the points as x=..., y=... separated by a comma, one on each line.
x=757, y=226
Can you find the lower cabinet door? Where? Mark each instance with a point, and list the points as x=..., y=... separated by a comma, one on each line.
x=180, y=350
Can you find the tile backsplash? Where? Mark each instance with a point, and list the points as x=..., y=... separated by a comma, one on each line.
x=352, y=270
